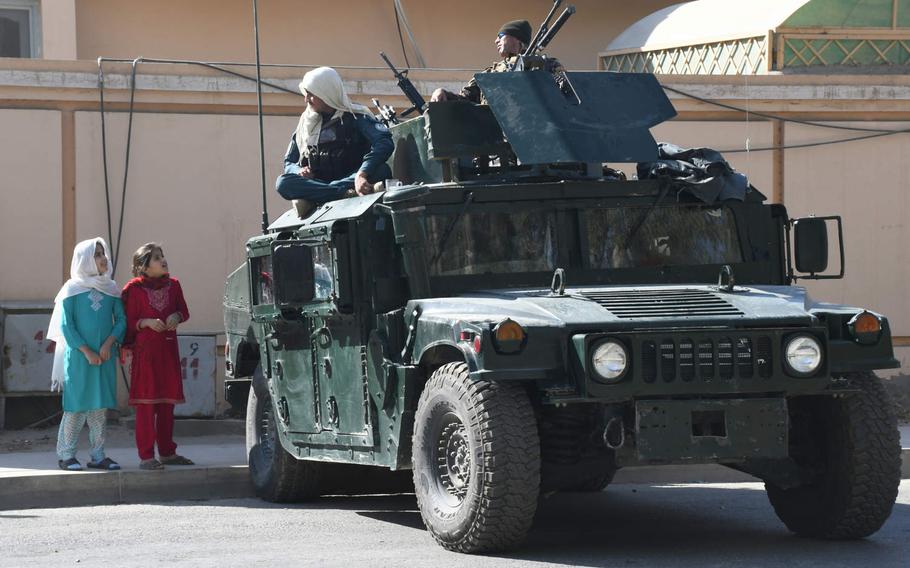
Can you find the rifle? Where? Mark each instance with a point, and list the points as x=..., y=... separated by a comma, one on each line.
x=407, y=87
x=386, y=113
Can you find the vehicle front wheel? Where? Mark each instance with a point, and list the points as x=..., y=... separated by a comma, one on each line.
x=852, y=445
x=476, y=458
x=277, y=476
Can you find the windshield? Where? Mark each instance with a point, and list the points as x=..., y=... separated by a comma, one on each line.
x=662, y=236
x=492, y=242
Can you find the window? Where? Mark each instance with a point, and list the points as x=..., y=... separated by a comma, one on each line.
x=19, y=28
x=491, y=243
x=662, y=236
x=262, y=280
x=323, y=269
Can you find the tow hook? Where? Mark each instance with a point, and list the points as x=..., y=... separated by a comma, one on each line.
x=614, y=433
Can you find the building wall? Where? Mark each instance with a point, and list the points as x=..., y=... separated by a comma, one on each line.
x=866, y=183
x=31, y=210
x=449, y=34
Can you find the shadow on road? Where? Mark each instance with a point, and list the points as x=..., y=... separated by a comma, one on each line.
x=656, y=525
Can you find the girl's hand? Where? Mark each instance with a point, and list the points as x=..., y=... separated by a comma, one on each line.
x=154, y=324
x=173, y=321
x=105, y=352
x=93, y=358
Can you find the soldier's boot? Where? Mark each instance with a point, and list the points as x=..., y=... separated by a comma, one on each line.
x=304, y=207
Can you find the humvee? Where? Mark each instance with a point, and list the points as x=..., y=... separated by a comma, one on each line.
x=508, y=319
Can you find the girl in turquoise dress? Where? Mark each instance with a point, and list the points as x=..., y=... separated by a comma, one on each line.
x=87, y=324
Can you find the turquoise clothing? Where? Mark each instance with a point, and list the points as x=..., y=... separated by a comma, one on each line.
x=89, y=319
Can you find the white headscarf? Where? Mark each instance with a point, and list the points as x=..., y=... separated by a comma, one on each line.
x=83, y=277
x=325, y=83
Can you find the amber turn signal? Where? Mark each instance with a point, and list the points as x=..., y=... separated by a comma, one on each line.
x=865, y=327
x=509, y=336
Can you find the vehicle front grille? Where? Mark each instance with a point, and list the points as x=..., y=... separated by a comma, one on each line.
x=649, y=304
x=706, y=359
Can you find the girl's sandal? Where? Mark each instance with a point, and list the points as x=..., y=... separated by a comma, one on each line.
x=151, y=464
x=105, y=464
x=71, y=464
x=176, y=460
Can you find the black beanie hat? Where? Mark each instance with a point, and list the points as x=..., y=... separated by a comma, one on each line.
x=519, y=29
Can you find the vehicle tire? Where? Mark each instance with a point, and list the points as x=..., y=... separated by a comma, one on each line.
x=277, y=476
x=854, y=444
x=594, y=484
x=476, y=458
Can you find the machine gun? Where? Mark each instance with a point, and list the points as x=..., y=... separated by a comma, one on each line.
x=407, y=87
x=531, y=59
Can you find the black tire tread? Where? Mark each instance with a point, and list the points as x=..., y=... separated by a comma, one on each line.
x=510, y=471
x=290, y=480
x=859, y=497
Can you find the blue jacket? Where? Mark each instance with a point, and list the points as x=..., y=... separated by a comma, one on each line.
x=375, y=132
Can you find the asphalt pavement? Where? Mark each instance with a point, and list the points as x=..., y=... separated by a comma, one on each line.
x=29, y=477
x=626, y=526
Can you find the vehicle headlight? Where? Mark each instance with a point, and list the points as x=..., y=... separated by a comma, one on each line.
x=803, y=355
x=610, y=359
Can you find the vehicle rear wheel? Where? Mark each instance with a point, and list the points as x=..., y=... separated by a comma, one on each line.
x=595, y=483
x=476, y=457
x=854, y=446
x=277, y=476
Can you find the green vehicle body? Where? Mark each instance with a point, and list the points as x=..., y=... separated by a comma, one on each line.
x=342, y=317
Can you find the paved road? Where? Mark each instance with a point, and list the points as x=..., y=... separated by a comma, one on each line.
x=724, y=525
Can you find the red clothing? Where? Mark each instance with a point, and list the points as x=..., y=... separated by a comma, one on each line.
x=155, y=424
x=155, y=375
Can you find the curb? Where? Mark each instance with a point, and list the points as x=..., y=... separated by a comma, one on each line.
x=117, y=487
x=61, y=489
x=195, y=427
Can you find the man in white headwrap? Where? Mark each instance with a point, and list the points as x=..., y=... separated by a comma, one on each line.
x=338, y=146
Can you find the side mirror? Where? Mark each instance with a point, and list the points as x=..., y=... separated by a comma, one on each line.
x=294, y=280
x=810, y=243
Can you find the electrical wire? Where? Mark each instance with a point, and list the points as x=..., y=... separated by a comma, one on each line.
x=400, y=37
x=781, y=118
x=812, y=144
x=218, y=65
x=407, y=29
x=115, y=243
x=221, y=67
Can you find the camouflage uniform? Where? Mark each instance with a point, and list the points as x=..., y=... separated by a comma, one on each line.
x=471, y=92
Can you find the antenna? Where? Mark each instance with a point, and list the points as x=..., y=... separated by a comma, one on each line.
x=265, y=211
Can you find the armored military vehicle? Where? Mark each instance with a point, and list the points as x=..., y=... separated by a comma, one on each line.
x=512, y=318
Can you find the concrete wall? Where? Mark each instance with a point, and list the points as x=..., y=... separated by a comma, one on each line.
x=865, y=182
x=31, y=210
x=58, y=29
x=448, y=34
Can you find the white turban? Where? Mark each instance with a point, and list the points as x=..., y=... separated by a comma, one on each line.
x=325, y=83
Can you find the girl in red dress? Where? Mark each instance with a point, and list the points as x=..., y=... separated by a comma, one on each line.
x=154, y=307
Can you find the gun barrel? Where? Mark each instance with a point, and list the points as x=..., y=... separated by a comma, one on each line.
x=389, y=63
x=532, y=47
x=551, y=33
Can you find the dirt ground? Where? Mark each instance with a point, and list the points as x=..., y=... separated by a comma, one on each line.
x=45, y=439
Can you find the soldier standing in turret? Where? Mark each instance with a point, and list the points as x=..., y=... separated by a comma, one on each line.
x=511, y=41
